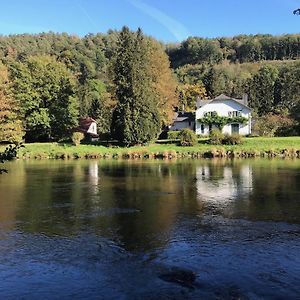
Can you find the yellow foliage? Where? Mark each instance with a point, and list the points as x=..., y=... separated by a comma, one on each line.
x=164, y=81
x=188, y=94
x=11, y=129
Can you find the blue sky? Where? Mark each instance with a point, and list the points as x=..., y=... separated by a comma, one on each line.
x=167, y=20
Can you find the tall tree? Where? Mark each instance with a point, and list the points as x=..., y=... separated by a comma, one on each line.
x=135, y=119
x=261, y=89
x=164, y=81
x=10, y=122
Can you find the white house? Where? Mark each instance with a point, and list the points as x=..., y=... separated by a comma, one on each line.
x=236, y=111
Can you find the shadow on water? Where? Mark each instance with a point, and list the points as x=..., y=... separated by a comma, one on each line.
x=214, y=229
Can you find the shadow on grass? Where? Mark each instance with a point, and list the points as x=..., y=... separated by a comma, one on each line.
x=176, y=142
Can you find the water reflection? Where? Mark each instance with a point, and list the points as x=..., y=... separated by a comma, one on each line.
x=112, y=227
x=221, y=185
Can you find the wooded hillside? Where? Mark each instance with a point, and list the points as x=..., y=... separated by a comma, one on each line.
x=51, y=79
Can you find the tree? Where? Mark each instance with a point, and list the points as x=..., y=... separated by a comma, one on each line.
x=261, y=89
x=164, y=81
x=10, y=122
x=135, y=119
x=188, y=94
x=45, y=90
x=287, y=88
x=97, y=102
x=215, y=82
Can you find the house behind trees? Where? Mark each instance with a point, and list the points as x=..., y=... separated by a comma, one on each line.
x=183, y=120
x=88, y=126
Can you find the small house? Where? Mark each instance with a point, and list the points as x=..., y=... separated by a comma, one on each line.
x=228, y=114
x=183, y=120
x=88, y=126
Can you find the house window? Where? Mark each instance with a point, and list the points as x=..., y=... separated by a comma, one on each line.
x=202, y=128
x=234, y=113
x=210, y=114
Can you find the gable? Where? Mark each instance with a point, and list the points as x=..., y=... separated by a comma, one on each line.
x=224, y=105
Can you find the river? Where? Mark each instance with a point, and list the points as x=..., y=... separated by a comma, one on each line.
x=189, y=229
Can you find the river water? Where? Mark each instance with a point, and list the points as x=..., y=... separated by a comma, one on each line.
x=191, y=229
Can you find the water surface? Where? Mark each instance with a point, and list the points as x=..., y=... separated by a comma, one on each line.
x=118, y=229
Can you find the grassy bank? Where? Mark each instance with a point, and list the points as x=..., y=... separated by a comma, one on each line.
x=251, y=147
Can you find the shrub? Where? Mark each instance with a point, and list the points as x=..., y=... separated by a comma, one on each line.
x=274, y=125
x=234, y=139
x=187, y=137
x=77, y=137
x=173, y=135
x=216, y=137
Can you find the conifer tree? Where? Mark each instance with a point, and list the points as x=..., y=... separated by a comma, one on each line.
x=135, y=119
x=262, y=89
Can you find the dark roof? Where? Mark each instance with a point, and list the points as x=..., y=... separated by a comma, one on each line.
x=84, y=125
x=243, y=101
x=184, y=116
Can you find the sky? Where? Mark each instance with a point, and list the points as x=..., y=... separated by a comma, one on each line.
x=166, y=20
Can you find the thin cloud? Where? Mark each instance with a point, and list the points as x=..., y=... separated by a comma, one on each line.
x=86, y=14
x=178, y=30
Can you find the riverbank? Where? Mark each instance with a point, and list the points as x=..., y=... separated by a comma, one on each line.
x=251, y=147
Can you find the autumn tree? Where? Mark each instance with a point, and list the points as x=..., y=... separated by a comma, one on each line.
x=188, y=94
x=164, y=81
x=10, y=122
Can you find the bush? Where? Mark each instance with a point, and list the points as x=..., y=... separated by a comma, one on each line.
x=216, y=137
x=77, y=137
x=173, y=135
x=274, y=125
x=234, y=139
x=187, y=137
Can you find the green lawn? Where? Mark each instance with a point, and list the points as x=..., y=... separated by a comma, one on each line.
x=258, y=146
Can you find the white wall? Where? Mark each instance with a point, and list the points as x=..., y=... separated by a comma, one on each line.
x=222, y=108
x=93, y=128
x=181, y=125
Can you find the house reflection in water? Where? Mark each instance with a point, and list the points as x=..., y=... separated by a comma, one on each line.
x=222, y=185
x=94, y=176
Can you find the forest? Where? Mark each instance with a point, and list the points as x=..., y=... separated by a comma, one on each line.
x=130, y=83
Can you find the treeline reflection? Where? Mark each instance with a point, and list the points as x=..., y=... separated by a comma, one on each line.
x=139, y=204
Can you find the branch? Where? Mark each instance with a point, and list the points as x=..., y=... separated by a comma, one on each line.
x=9, y=153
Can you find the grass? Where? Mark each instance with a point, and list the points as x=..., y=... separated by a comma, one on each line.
x=251, y=147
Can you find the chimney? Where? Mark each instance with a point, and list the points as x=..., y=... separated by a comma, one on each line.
x=198, y=103
x=182, y=108
x=245, y=99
